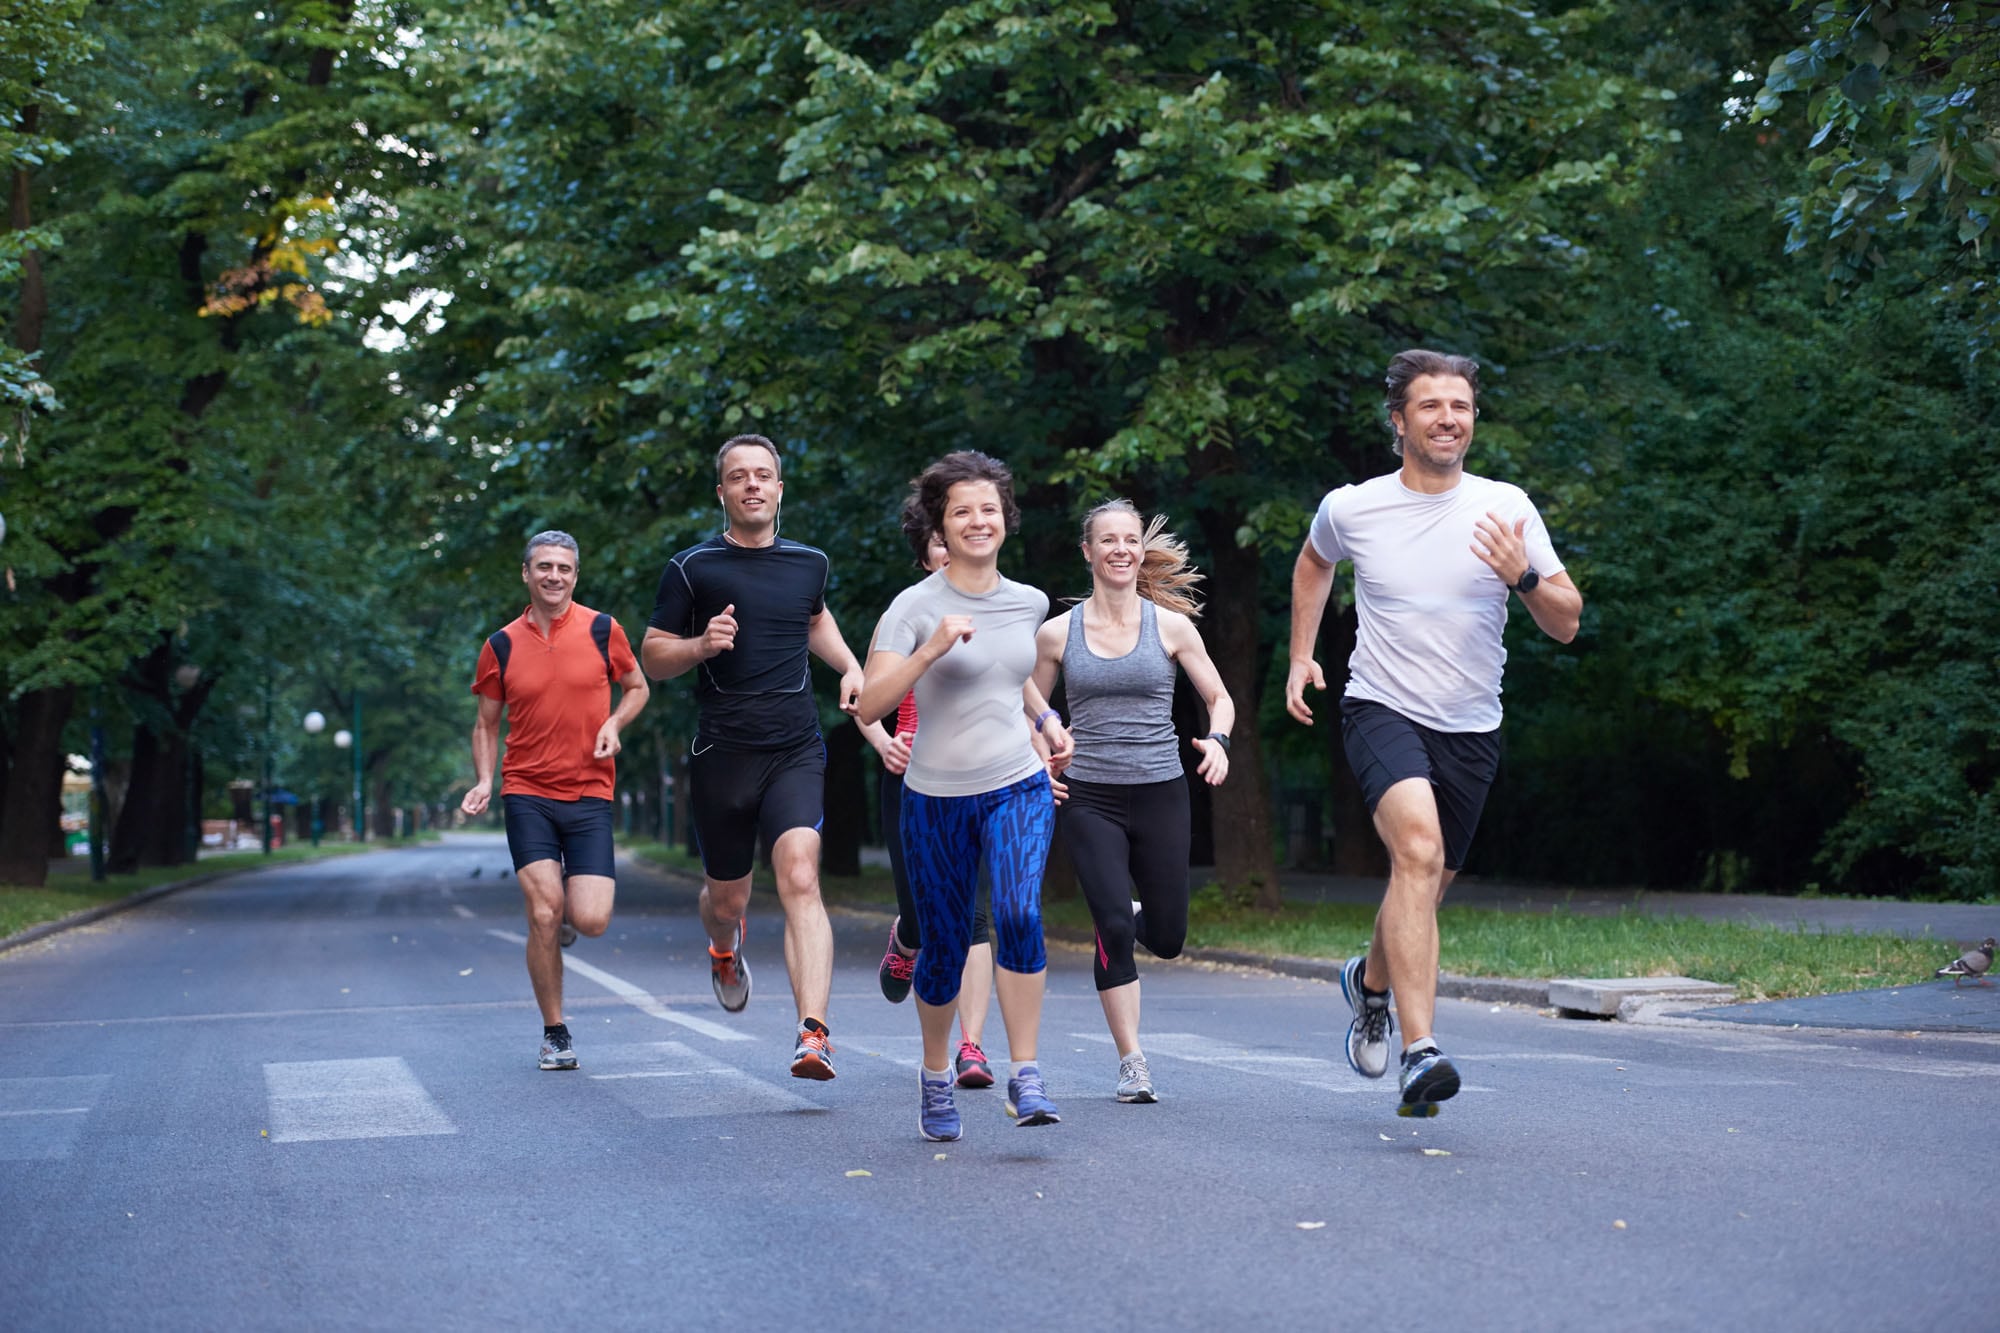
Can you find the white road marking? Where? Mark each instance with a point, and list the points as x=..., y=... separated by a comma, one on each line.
x=646, y=1077
x=638, y=998
x=465, y=911
x=373, y=1098
x=45, y=1115
x=1305, y=1070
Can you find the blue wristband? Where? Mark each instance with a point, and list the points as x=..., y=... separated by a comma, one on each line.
x=1046, y=715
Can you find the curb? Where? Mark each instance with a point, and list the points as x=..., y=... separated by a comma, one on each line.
x=102, y=910
x=1495, y=990
x=45, y=929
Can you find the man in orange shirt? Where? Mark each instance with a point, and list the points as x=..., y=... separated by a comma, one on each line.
x=550, y=672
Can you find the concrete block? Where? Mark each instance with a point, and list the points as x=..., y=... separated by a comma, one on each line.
x=1601, y=996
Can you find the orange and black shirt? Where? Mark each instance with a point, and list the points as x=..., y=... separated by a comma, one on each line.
x=557, y=691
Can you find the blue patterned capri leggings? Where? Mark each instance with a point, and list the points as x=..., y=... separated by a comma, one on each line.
x=945, y=841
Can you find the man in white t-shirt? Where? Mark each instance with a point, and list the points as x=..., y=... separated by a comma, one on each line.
x=1437, y=553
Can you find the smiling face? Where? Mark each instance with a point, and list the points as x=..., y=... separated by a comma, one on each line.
x=1435, y=423
x=551, y=578
x=1114, y=549
x=975, y=522
x=750, y=490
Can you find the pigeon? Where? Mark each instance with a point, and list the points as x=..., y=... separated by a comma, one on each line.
x=1971, y=963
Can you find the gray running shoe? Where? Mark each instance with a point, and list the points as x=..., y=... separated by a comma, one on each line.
x=1368, y=1033
x=730, y=975
x=566, y=935
x=1135, y=1081
x=556, y=1052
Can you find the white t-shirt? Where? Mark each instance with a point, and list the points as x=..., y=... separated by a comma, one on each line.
x=1430, y=611
x=974, y=736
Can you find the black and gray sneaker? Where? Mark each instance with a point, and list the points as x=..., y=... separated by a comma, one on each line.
x=1368, y=1033
x=566, y=934
x=556, y=1052
x=1428, y=1078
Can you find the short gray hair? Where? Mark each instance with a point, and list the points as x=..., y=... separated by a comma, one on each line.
x=551, y=538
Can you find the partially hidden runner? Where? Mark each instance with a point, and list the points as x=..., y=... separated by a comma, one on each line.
x=899, y=956
x=1125, y=819
x=976, y=791
x=550, y=672
x=1438, y=554
x=743, y=610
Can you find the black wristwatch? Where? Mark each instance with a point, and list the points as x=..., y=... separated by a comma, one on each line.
x=1528, y=582
x=1219, y=739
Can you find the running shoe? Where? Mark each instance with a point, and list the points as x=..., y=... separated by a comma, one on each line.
x=1135, y=1081
x=556, y=1052
x=973, y=1070
x=1428, y=1078
x=566, y=935
x=813, y=1056
x=1027, y=1102
x=730, y=975
x=1368, y=1033
x=896, y=971
x=937, y=1113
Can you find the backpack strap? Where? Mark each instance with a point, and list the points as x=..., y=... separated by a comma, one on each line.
x=502, y=647
x=600, y=634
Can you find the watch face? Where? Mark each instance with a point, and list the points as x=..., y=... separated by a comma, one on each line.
x=1528, y=582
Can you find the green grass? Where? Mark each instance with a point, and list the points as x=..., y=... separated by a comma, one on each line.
x=1762, y=962
x=70, y=888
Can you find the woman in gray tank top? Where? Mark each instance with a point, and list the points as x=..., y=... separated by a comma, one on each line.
x=1125, y=820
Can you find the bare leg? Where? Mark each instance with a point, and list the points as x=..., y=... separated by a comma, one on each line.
x=935, y=1020
x=1121, y=1015
x=808, y=934
x=1405, y=945
x=723, y=902
x=542, y=895
x=1021, y=1010
x=975, y=989
x=590, y=898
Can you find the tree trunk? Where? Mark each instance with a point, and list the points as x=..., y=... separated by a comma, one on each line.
x=845, y=803
x=384, y=818
x=34, y=785
x=1242, y=805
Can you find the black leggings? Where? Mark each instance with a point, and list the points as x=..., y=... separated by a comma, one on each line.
x=1126, y=842
x=907, y=933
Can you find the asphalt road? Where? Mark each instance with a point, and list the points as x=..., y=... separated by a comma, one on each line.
x=307, y=1098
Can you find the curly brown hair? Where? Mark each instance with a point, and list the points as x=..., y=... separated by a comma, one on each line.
x=928, y=492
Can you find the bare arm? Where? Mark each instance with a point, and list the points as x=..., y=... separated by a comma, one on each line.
x=1312, y=583
x=1556, y=603
x=636, y=692
x=1184, y=645
x=485, y=752
x=665, y=655
x=1049, y=642
x=894, y=751
x=824, y=642
x=1048, y=725
x=889, y=676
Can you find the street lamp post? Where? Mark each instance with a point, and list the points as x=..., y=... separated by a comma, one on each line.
x=315, y=723
x=342, y=740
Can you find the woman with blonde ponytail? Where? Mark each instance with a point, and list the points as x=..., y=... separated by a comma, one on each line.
x=1125, y=819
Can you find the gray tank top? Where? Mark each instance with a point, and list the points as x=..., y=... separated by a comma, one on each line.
x=1121, y=709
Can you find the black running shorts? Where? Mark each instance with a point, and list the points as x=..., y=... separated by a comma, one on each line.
x=575, y=834
x=741, y=795
x=1384, y=748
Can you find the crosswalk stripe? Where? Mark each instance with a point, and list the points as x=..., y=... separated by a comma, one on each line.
x=635, y=996
x=371, y=1098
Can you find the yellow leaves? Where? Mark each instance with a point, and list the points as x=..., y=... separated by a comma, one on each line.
x=280, y=252
x=860, y=1175
x=1436, y=1152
